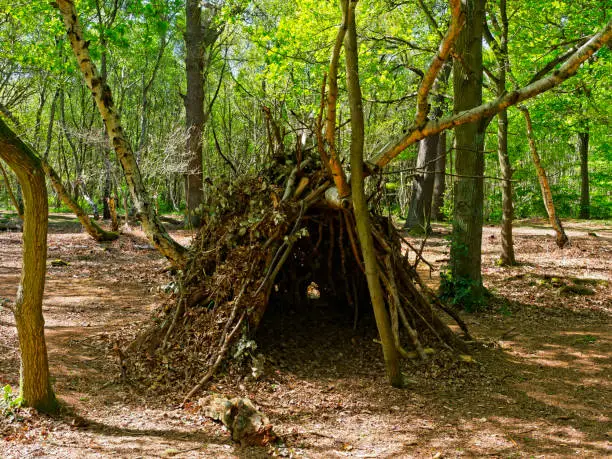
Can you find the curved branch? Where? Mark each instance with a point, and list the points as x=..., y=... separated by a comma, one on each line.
x=567, y=70
x=335, y=166
x=457, y=21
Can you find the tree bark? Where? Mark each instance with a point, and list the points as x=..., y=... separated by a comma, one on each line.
x=465, y=255
x=151, y=224
x=555, y=222
x=439, y=180
x=419, y=212
x=199, y=37
x=35, y=383
x=9, y=190
x=194, y=109
x=332, y=160
x=507, y=257
x=362, y=214
x=92, y=228
x=583, y=151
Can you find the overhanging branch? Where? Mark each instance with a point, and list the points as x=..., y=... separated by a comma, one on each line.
x=567, y=70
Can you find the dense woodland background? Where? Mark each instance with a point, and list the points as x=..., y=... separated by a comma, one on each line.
x=274, y=54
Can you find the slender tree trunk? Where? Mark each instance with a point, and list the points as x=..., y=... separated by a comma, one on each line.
x=501, y=53
x=439, y=186
x=104, y=101
x=507, y=254
x=9, y=190
x=92, y=228
x=555, y=222
x=362, y=214
x=35, y=383
x=465, y=256
x=583, y=151
x=422, y=186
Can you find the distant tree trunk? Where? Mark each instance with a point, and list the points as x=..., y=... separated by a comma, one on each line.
x=507, y=255
x=583, y=151
x=422, y=186
x=151, y=224
x=439, y=186
x=555, y=222
x=9, y=190
x=501, y=52
x=465, y=256
x=35, y=383
x=200, y=34
x=362, y=214
x=194, y=109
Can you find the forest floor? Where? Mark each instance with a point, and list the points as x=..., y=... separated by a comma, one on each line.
x=540, y=384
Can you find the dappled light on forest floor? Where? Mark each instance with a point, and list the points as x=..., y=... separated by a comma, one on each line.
x=540, y=384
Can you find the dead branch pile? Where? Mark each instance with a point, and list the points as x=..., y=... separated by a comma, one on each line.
x=277, y=236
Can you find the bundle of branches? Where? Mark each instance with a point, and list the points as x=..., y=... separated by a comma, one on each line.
x=263, y=240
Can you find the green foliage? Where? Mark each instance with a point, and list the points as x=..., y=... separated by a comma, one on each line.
x=460, y=292
x=9, y=402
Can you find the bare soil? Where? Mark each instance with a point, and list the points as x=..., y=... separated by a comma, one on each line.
x=540, y=384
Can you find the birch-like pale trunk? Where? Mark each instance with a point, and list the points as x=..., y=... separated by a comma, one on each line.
x=101, y=92
x=555, y=222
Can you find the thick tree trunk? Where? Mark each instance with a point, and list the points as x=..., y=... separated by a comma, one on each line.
x=439, y=186
x=465, y=256
x=153, y=228
x=555, y=222
x=35, y=384
x=362, y=214
x=422, y=186
x=583, y=151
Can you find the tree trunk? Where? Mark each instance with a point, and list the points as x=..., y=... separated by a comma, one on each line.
x=153, y=228
x=35, y=383
x=555, y=222
x=507, y=255
x=90, y=226
x=362, y=214
x=9, y=190
x=199, y=36
x=501, y=53
x=465, y=257
x=439, y=186
x=583, y=151
x=422, y=186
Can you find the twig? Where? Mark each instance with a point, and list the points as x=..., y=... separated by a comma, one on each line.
x=218, y=361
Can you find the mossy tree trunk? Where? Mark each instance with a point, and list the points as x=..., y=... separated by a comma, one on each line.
x=35, y=384
x=465, y=256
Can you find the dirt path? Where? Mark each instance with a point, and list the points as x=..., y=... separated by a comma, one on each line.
x=541, y=384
